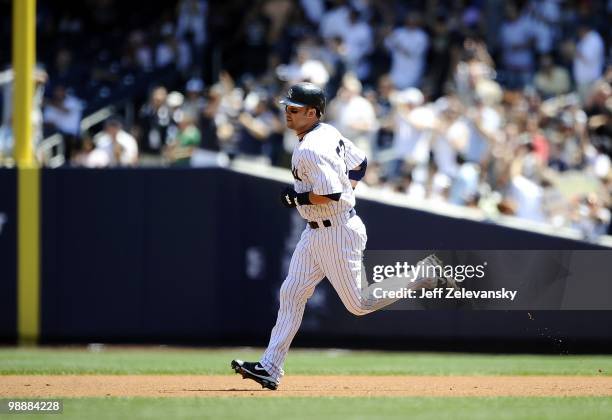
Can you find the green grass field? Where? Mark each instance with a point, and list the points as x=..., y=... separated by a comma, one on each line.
x=335, y=408
x=160, y=360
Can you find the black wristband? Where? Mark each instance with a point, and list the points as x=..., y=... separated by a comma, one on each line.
x=303, y=198
x=358, y=174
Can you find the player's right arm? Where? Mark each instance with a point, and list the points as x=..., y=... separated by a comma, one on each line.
x=290, y=198
x=322, y=173
x=323, y=199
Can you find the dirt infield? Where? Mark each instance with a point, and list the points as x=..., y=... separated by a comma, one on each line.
x=303, y=386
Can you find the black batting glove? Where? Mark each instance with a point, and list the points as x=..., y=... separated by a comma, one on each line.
x=290, y=198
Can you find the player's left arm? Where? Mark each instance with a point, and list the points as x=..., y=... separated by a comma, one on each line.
x=357, y=173
x=356, y=160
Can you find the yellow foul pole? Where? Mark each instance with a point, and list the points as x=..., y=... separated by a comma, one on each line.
x=28, y=230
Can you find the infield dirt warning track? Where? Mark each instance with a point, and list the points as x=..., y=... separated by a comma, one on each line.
x=302, y=386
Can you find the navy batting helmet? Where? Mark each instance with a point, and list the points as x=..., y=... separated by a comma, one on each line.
x=305, y=94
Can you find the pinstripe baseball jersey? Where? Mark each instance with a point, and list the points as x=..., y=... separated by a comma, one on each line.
x=320, y=163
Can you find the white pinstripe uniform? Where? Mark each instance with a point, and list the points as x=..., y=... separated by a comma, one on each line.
x=320, y=163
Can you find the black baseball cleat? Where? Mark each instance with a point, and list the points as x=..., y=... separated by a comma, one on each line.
x=440, y=282
x=446, y=283
x=256, y=372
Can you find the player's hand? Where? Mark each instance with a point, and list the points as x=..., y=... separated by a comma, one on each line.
x=289, y=198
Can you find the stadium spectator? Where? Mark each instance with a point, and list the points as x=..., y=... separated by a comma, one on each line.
x=139, y=50
x=484, y=123
x=172, y=51
x=6, y=105
x=589, y=58
x=256, y=124
x=208, y=124
x=194, y=100
x=383, y=107
x=191, y=23
x=408, y=46
x=358, y=42
x=482, y=108
x=464, y=187
x=180, y=148
x=62, y=113
x=174, y=102
x=451, y=137
x=314, y=10
x=411, y=140
x=304, y=67
x=278, y=12
x=445, y=44
x=517, y=41
x=335, y=21
x=354, y=115
x=113, y=147
x=154, y=119
x=256, y=30
x=551, y=80
x=525, y=188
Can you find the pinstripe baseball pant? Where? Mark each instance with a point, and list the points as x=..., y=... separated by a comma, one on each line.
x=334, y=252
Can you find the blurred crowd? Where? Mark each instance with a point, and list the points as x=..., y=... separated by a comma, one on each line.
x=502, y=106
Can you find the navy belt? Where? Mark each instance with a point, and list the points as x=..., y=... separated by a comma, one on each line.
x=327, y=222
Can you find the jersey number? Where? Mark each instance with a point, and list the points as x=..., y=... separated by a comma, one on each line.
x=294, y=172
x=341, y=150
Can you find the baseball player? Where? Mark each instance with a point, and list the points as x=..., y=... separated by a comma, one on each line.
x=326, y=168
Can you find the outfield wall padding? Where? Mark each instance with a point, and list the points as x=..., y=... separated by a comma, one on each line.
x=8, y=255
x=197, y=256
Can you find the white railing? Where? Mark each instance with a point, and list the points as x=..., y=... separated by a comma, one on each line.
x=51, y=151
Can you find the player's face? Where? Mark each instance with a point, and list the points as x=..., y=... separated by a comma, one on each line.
x=298, y=118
